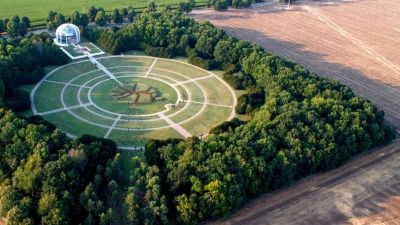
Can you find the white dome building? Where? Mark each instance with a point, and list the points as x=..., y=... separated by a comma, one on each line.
x=67, y=34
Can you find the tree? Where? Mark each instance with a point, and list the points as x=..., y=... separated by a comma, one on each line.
x=221, y=5
x=27, y=21
x=116, y=16
x=22, y=28
x=84, y=19
x=1, y=26
x=76, y=18
x=16, y=19
x=124, y=12
x=92, y=12
x=131, y=15
x=185, y=7
x=2, y=92
x=151, y=7
x=101, y=19
x=13, y=28
x=58, y=19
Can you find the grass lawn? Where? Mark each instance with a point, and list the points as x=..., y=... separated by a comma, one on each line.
x=181, y=68
x=217, y=92
x=68, y=123
x=70, y=71
x=47, y=97
x=209, y=118
x=37, y=10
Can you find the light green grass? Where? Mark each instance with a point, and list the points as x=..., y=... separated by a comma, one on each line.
x=68, y=123
x=126, y=61
x=84, y=114
x=37, y=10
x=70, y=95
x=170, y=75
x=209, y=118
x=86, y=77
x=47, y=97
x=147, y=124
x=216, y=91
x=70, y=71
x=181, y=68
x=186, y=114
x=126, y=70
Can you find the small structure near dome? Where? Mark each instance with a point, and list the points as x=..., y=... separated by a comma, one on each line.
x=67, y=34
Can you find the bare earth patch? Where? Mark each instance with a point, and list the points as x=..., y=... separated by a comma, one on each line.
x=356, y=42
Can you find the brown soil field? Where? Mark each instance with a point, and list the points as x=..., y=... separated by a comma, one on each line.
x=358, y=43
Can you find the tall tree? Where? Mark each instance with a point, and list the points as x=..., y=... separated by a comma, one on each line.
x=101, y=19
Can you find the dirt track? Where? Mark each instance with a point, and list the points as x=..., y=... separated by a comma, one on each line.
x=355, y=42
x=358, y=43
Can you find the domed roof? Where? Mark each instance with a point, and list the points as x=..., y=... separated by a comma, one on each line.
x=67, y=29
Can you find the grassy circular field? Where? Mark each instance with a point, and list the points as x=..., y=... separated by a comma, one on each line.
x=148, y=98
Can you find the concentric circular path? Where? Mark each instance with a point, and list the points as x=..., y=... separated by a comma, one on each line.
x=79, y=98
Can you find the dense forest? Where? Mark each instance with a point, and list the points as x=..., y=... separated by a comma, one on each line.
x=300, y=125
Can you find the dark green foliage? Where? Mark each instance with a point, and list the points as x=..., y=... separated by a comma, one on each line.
x=54, y=20
x=101, y=18
x=185, y=7
x=227, y=126
x=248, y=102
x=18, y=101
x=117, y=17
x=159, y=52
x=151, y=7
x=92, y=12
x=221, y=5
x=240, y=81
x=54, y=180
x=131, y=15
x=2, y=28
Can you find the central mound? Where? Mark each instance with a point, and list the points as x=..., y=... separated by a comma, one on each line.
x=138, y=96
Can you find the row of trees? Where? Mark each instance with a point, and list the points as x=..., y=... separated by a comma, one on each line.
x=15, y=26
x=97, y=15
x=221, y=5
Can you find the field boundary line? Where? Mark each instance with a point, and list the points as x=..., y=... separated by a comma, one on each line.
x=63, y=109
x=112, y=126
